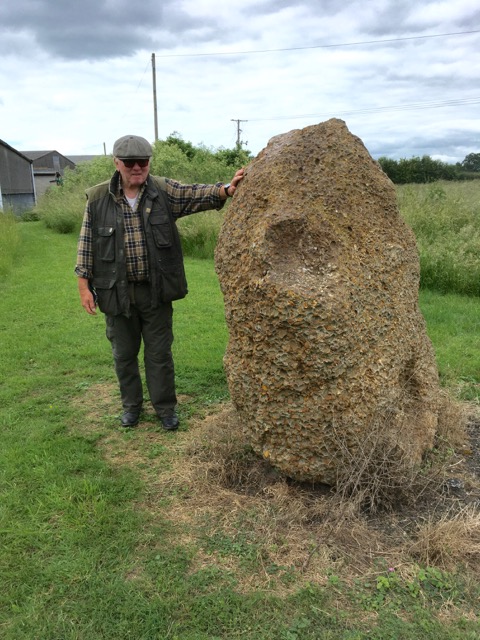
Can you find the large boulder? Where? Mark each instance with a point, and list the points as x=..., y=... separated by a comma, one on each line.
x=320, y=280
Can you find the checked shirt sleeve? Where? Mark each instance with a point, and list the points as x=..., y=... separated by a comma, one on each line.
x=84, y=264
x=192, y=198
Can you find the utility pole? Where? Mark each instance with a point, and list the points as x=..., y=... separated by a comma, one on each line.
x=239, y=131
x=155, y=115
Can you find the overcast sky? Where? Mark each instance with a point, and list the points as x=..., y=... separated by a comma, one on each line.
x=404, y=74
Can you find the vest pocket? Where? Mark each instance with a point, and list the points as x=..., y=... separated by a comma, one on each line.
x=172, y=283
x=106, y=243
x=106, y=295
x=161, y=230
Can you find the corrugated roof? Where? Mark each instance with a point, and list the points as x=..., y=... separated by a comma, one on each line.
x=34, y=155
x=20, y=153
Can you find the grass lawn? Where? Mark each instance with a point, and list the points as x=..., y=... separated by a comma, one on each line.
x=453, y=324
x=113, y=534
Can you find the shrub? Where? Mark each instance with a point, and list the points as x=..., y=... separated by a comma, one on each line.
x=62, y=208
x=418, y=170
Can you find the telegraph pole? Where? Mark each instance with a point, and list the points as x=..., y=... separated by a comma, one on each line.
x=239, y=131
x=155, y=115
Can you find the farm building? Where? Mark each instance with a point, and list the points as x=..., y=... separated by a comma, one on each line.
x=48, y=168
x=17, y=184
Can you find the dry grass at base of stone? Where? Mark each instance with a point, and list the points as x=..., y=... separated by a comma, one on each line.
x=235, y=495
x=311, y=528
x=451, y=540
x=240, y=515
x=376, y=474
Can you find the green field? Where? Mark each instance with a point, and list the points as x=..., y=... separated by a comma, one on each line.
x=142, y=534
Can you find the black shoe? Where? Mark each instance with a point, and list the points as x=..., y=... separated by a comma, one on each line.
x=130, y=418
x=170, y=423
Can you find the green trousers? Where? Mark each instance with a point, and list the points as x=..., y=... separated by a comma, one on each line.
x=154, y=327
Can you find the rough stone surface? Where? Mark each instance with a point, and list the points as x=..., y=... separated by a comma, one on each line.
x=320, y=280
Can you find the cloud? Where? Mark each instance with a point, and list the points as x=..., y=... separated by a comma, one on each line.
x=94, y=29
x=274, y=64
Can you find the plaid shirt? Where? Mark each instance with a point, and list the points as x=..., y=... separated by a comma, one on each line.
x=184, y=199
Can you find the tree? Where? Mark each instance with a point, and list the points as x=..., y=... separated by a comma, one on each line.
x=471, y=162
x=418, y=170
x=390, y=167
x=186, y=147
x=237, y=157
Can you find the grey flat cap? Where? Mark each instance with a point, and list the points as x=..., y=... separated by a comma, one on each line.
x=132, y=147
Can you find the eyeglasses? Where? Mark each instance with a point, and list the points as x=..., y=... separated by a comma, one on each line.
x=131, y=163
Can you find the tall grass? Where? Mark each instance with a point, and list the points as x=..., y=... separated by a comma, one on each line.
x=445, y=217
x=199, y=233
x=9, y=240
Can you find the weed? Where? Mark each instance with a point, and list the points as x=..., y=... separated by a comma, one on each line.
x=391, y=588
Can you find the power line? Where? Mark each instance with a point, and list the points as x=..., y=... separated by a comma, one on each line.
x=404, y=107
x=317, y=46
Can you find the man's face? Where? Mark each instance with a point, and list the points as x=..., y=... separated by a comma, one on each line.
x=133, y=174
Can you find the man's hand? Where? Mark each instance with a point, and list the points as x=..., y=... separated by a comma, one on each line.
x=237, y=178
x=86, y=297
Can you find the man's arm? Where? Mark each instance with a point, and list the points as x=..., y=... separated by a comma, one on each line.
x=83, y=268
x=186, y=199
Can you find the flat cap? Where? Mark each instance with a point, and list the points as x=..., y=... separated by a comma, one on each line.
x=132, y=147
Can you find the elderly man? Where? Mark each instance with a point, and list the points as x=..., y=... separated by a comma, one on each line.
x=130, y=264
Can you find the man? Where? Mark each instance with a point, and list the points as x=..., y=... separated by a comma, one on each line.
x=130, y=264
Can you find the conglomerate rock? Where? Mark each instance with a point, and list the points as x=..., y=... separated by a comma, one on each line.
x=320, y=279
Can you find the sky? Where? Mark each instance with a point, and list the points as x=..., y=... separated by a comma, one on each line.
x=404, y=75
